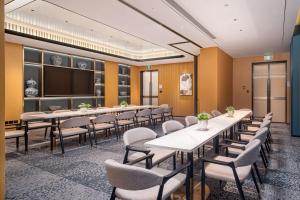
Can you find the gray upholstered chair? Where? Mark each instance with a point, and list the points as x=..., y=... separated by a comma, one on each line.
x=72, y=127
x=164, y=105
x=143, y=117
x=104, y=123
x=232, y=169
x=157, y=114
x=168, y=113
x=190, y=120
x=33, y=122
x=215, y=113
x=137, y=183
x=125, y=120
x=171, y=126
x=134, y=140
x=11, y=134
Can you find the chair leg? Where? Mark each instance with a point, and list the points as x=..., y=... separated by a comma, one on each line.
x=265, y=155
x=62, y=144
x=182, y=157
x=203, y=182
x=51, y=141
x=254, y=179
x=174, y=162
x=113, y=195
x=257, y=173
x=17, y=142
x=90, y=138
x=46, y=130
x=238, y=184
x=95, y=136
x=263, y=159
x=26, y=141
x=198, y=152
x=203, y=150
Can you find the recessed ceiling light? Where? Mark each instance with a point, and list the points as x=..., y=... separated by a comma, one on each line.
x=226, y=5
x=235, y=19
x=241, y=29
x=32, y=10
x=66, y=21
x=92, y=30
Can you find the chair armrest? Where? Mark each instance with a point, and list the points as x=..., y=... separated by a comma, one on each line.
x=251, y=125
x=146, y=157
x=175, y=172
x=248, y=133
x=245, y=132
x=136, y=149
x=235, y=141
x=218, y=162
x=232, y=146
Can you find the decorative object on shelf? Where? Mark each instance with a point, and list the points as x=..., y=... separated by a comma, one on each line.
x=31, y=90
x=230, y=111
x=123, y=93
x=84, y=107
x=54, y=108
x=186, y=84
x=203, y=121
x=81, y=64
x=123, y=104
x=123, y=82
x=98, y=92
x=98, y=81
x=56, y=60
x=123, y=69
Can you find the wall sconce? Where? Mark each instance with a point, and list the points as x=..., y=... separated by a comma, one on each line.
x=160, y=87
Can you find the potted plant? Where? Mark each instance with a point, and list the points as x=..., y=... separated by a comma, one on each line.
x=203, y=120
x=123, y=104
x=230, y=111
x=84, y=107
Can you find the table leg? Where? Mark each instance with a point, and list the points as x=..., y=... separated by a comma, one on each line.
x=231, y=133
x=190, y=157
x=216, y=144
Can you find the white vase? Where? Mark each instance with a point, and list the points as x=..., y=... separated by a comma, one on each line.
x=230, y=113
x=83, y=110
x=203, y=124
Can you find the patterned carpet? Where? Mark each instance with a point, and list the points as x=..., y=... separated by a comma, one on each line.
x=80, y=173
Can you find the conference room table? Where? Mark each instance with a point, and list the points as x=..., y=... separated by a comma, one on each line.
x=191, y=138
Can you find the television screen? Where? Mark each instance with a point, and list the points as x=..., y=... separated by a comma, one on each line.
x=60, y=81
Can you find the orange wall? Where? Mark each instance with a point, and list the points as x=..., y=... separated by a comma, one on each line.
x=111, y=84
x=242, y=77
x=2, y=103
x=13, y=81
x=135, y=85
x=168, y=77
x=215, y=80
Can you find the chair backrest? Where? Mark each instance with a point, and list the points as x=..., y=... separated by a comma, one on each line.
x=138, y=134
x=129, y=177
x=265, y=123
x=168, y=110
x=191, y=120
x=107, y=118
x=261, y=134
x=126, y=115
x=144, y=113
x=171, y=126
x=157, y=111
x=250, y=155
x=75, y=122
x=215, y=113
x=164, y=105
x=28, y=116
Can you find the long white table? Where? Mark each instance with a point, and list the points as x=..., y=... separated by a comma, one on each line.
x=191, y=138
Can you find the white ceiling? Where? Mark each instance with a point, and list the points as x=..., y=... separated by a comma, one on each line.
x=258, y=27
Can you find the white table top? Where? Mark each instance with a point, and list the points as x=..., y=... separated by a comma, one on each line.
x=89, y=112
x=191, y=138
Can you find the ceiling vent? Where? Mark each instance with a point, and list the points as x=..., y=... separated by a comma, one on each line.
x=189, y=17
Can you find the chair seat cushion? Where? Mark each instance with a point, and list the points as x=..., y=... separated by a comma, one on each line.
x=235, y=150
x=151, y=194
x=159, y=155
x=36, y=125
x=14, y=134
x=252, y=128
x=93, y=117
x=142, y=119
x=256, y=122
x=124, y=122
x=103, y=126
x=246, y=137
x=156, y=116
x=71, y=131
x=225, y=173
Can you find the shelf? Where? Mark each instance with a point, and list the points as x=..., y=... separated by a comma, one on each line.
x=33, y=64
x=124, y=96
x=31, y=98
x=61, y=66
x=124, y=75
x=124, y=85
x=99, y=72
x=99, y=84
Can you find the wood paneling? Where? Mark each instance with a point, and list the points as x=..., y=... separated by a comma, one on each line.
x=242, y=80
x=2, y=103
x=168, y=77
x=135, y=85
x=13, y=81
x=111, y=84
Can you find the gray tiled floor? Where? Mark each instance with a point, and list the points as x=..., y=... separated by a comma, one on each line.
x=80, y=173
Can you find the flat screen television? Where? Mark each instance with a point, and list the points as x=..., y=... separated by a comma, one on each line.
x=60, y=81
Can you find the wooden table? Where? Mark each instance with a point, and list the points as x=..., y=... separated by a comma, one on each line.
x=191, y=138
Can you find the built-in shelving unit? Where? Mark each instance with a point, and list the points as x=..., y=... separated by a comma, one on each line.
x=35, y=62
x=124, y=83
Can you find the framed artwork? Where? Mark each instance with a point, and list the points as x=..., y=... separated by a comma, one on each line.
x=186, y=84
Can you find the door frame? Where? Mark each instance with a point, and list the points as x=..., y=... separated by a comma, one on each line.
x=268, y=84
x=141, y=84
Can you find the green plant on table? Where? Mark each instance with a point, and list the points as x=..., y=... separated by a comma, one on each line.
x=203, y=116
x=230, y=109
x=124, y=104
x=85, y=106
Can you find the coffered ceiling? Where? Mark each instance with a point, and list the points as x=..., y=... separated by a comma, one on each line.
x=173, y=29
